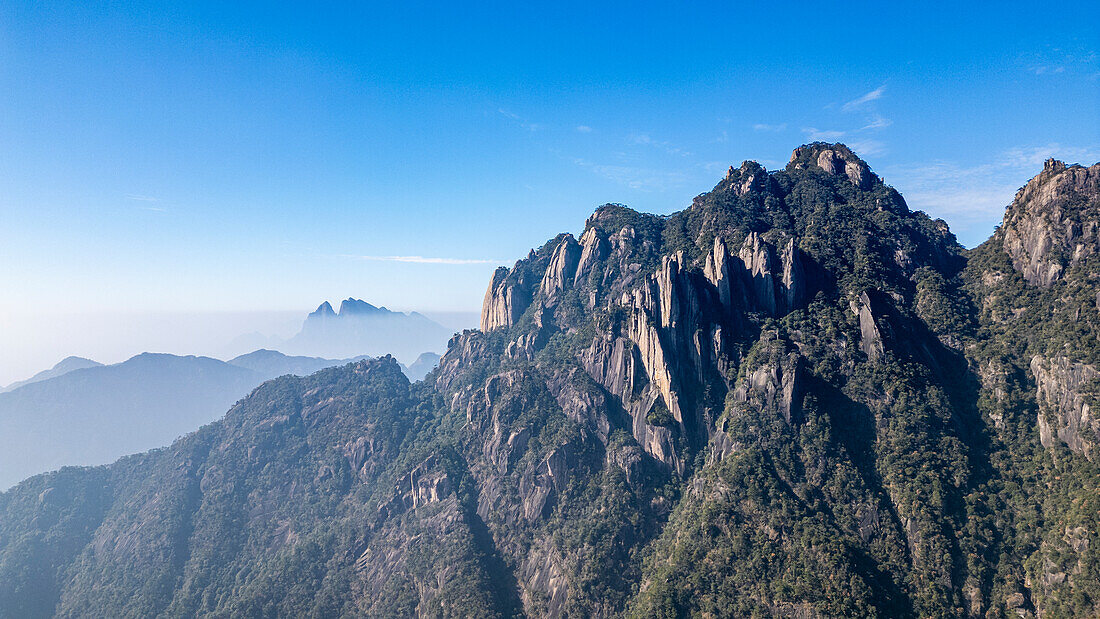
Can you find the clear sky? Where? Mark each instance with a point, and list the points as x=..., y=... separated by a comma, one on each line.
x=236, y=157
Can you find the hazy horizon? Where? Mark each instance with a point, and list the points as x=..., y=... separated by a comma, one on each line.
x=35, y=342
x=209, y=161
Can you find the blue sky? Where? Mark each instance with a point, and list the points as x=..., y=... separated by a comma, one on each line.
x=247, y=157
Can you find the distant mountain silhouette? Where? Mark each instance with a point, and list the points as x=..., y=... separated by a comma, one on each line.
x=66, y=365
x=93, y=413
x=363, y=329
x=272, y=363
x=425, y=363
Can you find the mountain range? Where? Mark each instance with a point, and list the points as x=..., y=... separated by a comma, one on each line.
x=66, y=365
x=83, y=412
x=796, y=397
x=360, y=328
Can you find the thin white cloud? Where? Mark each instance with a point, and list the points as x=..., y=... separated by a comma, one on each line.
x=767, y=127
x=644, y=139
x=141, y=198
x=584, y=129
x=874, y=95
x=1035, y=156
x=1057, y=60
x=822, y=135
x=422, y=259
x=521, y=121
x=878, y=122
x=866, y=148
x=635, y=177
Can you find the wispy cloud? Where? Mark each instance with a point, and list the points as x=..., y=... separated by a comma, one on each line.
x=636, y=177
x=866, y=148
x=140, y=198
x=874, y=95
x=973, y=198
x=1042, y=69
x=767, y=127
x=823, y=135
x=584, y=129
x=519, y=120
x=1057, y=60
x=644, y=139
x=422, y=259
x=878, y=122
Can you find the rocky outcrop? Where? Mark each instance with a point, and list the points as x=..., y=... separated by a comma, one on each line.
x=1064, y=410
x=757, y=279
x=562, y=270
x=426, y=483
x=542, y=573
x=505, y=301
x=757, y=259
x=618, y=366
x=593, y=251
x=774, y=386
x=1054, y=222
x=793, y=280
x=748, y=178
x=719, y=272
x=833, y=159
x=870, y=337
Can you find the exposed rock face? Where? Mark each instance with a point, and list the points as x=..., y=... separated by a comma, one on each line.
x=594, y=250
x=756, y=279
x=774, y=386
x=834, y=159
x=426, y=483
x=505, y=301
x=1064, y=412
x=748, y=178
x=870, y=338
x=757, y=258
x=563, y=268
x=1054, y=221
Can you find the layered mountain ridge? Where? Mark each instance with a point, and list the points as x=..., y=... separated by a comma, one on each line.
x=66, y=365
x=84, y=412
x=796, y=397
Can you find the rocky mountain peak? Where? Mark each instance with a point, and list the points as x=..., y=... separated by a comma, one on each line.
x=350, y=307
x=323, y=310
x=750, y=176
x=1053, y=222
x=835, y=159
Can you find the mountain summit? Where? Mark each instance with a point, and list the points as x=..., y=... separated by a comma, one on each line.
x=796, y=397
x=363, y=329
